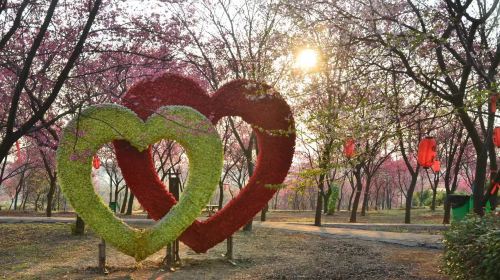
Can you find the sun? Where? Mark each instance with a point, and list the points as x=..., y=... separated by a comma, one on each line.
x=307, y=59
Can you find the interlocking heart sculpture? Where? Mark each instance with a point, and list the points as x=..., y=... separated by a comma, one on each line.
x=190, y=123
x=257, y=104
x=98, y=125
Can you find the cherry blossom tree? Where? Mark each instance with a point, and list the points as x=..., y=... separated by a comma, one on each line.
x=39, y=46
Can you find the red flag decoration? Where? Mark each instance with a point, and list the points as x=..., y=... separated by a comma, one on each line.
x=426, y=152
x=493, y=107
x=349, y=148
x=436, y=166
x=496, y=136
x=96, y=162
x=18, y=151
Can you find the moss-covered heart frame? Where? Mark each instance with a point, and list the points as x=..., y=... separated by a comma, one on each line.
x=100, y=124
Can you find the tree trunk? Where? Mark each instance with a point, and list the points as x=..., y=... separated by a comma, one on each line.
x=350, y=199
x=319, y=203
x=382, y=201
x=479, y=181
x=447, y=210
x=116, y=194
x=79, y=226
x=130, y=204
x=263, y=213
x=367, y=196
x=124, y=201
x=250, y=166
x=52, y=174
x=50, y=197
x=36, y=202
x=25, y=199
x=15, y=199
x=409, y=195
x=110, y=190
x=421, y=198
x=18, y=190
x=295, y=201
x=58, y=205
x=388, y=200
x=276, y=196
x=221, y=194
x=341, y=195
x=433, y=203
x=359, y=189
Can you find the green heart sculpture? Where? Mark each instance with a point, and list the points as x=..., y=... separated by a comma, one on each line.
x=100, y=124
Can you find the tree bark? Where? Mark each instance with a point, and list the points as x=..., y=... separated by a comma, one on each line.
x=263, y=213
x=50, y=197
x=221, y=194
x=478, y=188
x=124, y=201
x=18, y=189
x=79, y=226
x=130, y=204
x=366, y=196
x=447, y=214
x=341, y=195
x=388, y=200
x=317, y=215
x=36, y=201
x=433, y=203
x=359, y=189
x=276, y=196
x=350, y=199
x=250, y=166
x=409, y=195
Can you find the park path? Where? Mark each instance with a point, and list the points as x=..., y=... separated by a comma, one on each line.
x=401, y=238
x=351, y=231
x=65, y=220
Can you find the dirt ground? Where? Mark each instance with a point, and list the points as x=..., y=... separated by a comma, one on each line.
x=41, y=251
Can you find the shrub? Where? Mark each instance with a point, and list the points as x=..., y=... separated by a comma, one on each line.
x=440, y=196
x=332, y=199
x=472, y=248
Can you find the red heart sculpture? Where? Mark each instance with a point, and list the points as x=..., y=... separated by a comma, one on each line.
x=257, y=104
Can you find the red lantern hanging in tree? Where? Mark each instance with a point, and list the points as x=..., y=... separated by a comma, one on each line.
x=349, y=148
x=496, y=136
x=96, y=162
x=426, y=152
x=436, y=166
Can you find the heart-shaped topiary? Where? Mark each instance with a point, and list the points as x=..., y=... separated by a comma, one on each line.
x=258, y=104
x=101, y=124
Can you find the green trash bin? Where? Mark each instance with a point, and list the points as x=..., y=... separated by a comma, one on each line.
x=113, y=205
x=460, y=206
